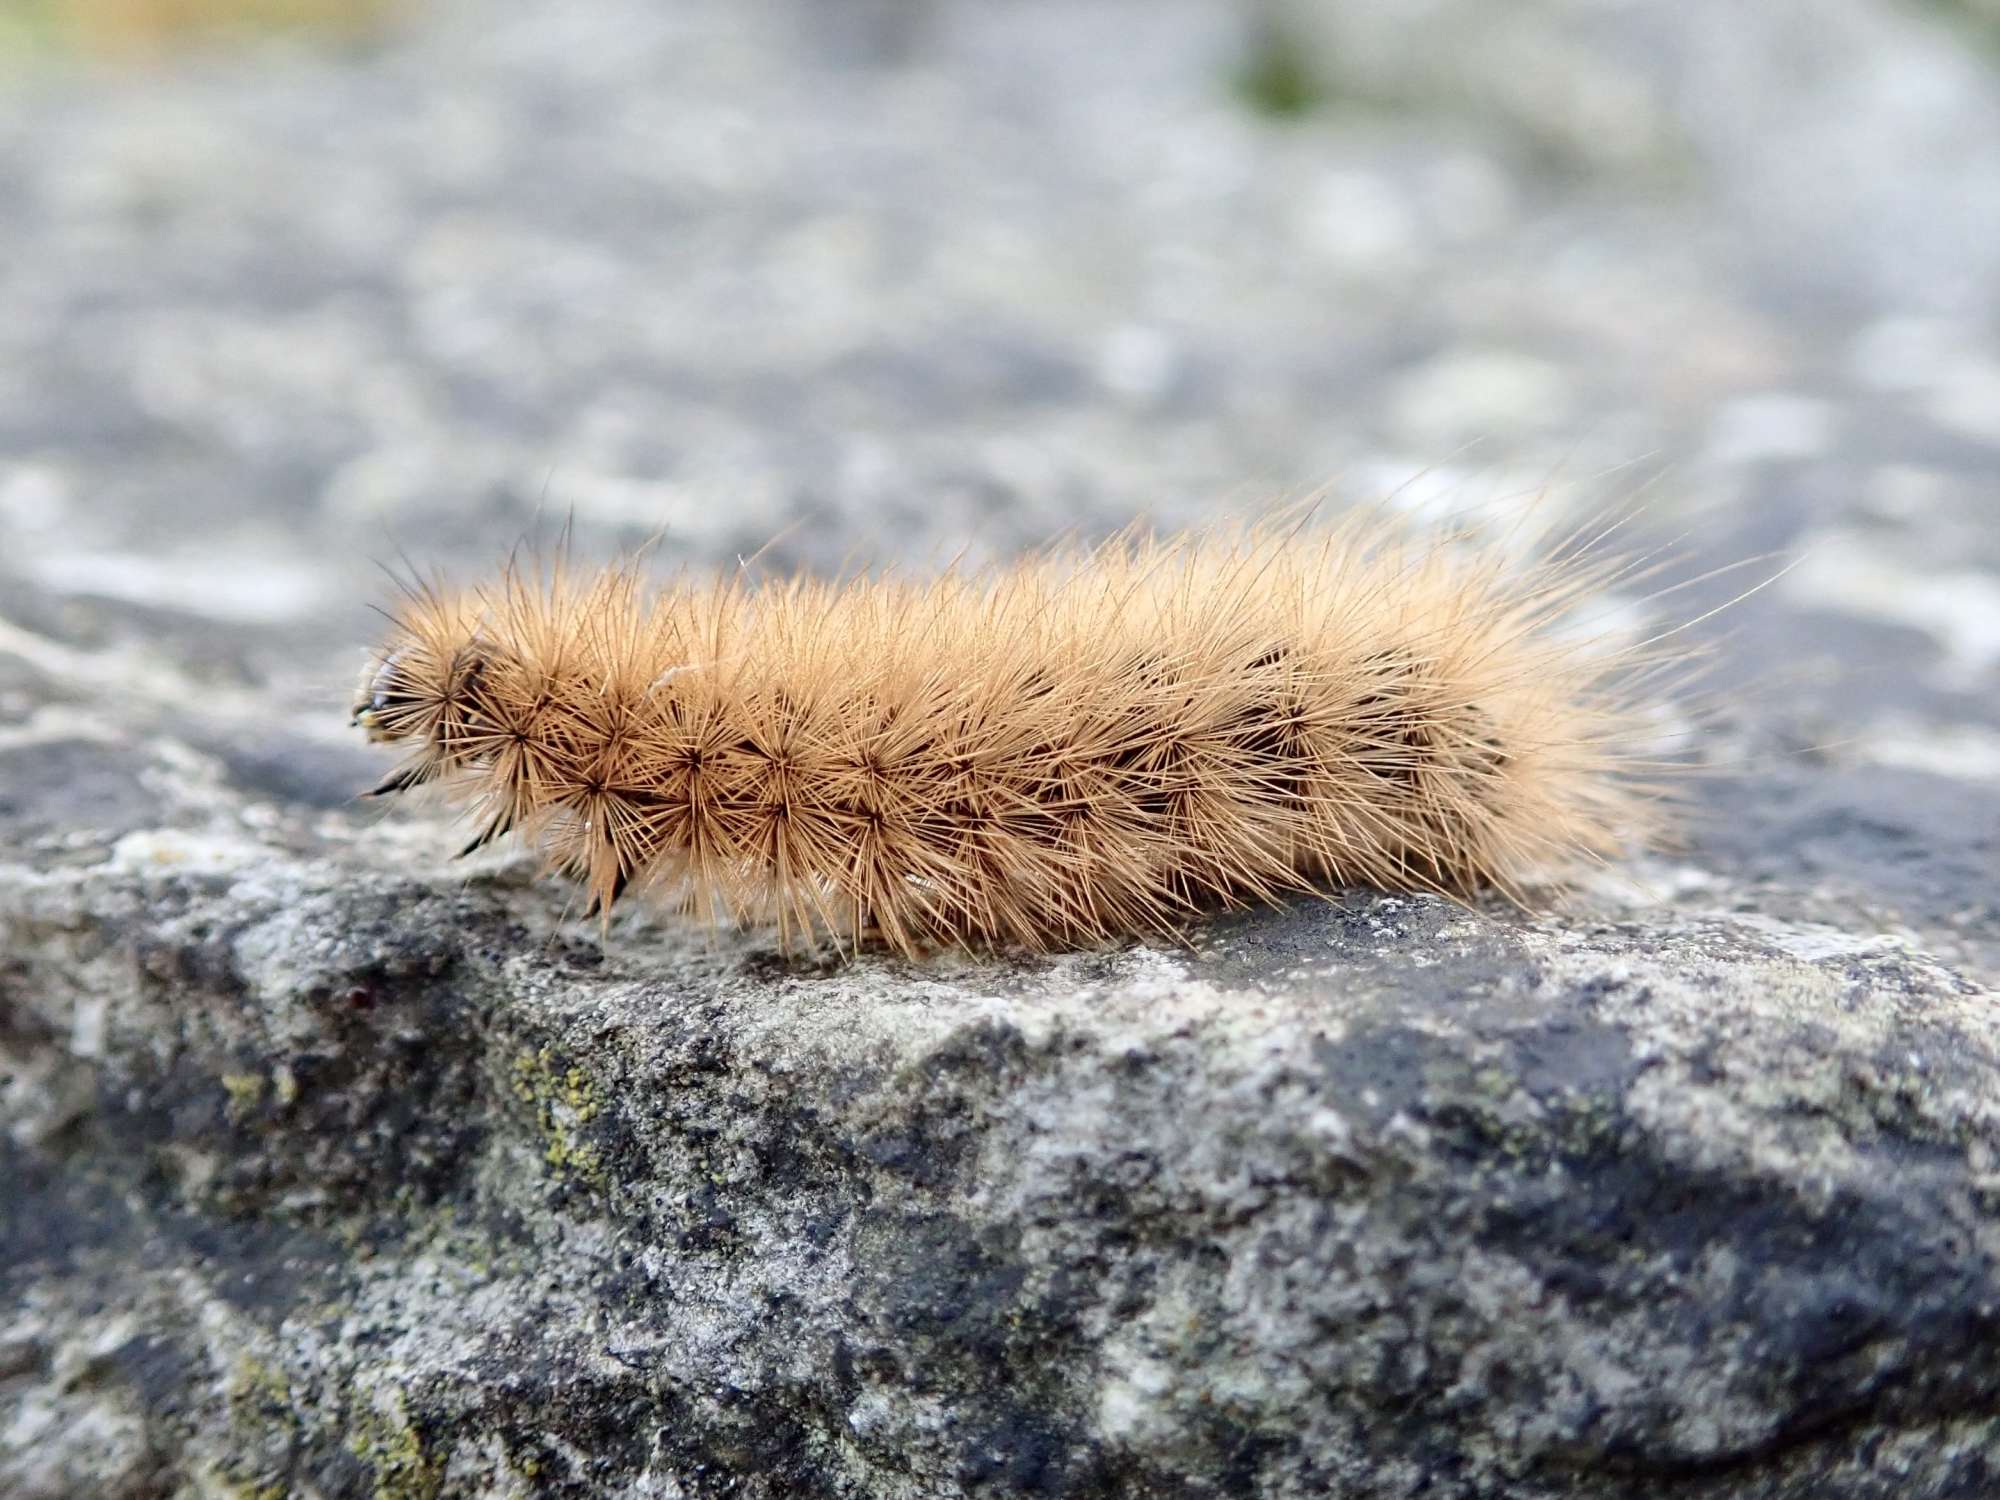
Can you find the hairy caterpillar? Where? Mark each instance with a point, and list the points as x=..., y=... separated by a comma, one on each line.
x=1079, y=746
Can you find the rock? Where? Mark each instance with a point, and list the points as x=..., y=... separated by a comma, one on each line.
x=325, y=1178
x=331, y=1167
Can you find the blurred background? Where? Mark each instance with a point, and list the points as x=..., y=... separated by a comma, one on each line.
x=289, y=285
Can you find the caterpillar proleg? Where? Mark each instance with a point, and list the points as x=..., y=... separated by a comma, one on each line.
x=1087, y=744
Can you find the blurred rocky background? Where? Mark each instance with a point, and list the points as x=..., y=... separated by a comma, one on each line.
x=332, y=1168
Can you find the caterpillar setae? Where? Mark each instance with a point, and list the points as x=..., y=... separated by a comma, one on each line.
x=1087, y=744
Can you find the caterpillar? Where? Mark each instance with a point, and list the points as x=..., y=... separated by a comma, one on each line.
x=1087, y=744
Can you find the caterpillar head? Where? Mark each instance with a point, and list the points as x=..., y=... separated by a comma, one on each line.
x=390, y=701
x=423, y=691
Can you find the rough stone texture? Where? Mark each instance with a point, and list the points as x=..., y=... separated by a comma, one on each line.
x=331, y=1168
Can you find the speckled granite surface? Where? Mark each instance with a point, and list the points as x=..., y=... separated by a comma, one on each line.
x=333, y=1168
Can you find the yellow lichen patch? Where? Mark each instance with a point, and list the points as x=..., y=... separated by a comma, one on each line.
x=246, y=1091
x=565, y=1101
x=389, y=1443
x=262, y=1407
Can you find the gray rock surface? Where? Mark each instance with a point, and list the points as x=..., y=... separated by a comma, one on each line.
x=333, y=1168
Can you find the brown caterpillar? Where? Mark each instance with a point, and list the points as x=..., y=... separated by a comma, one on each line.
x=1080, y=746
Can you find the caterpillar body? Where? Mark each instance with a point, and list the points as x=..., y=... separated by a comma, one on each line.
x=1088, y=744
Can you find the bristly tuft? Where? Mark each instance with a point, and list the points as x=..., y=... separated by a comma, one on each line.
x=1084, y=745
